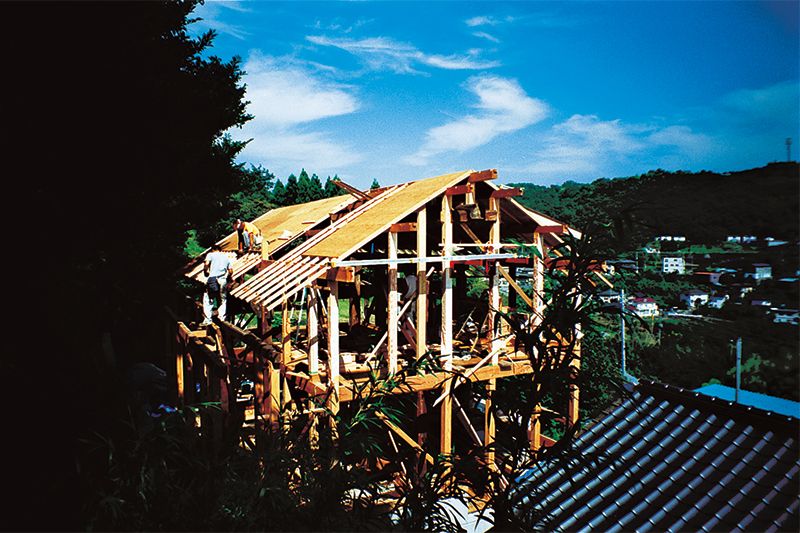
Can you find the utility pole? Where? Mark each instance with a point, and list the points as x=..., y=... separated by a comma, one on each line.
x=622, y=327
x=788, y=149
x=738, y=368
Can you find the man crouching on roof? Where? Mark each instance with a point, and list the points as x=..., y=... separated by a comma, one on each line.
x=218, y=269
x=249, y=235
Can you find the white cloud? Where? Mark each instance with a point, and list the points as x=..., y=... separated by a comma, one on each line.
x=286, y=99
x=486, y=20
x=282, y=95
x=584, y=146
x=487, y=36
x=291, y=149
x=503, y=107
x=381, y=53
x=211, y=14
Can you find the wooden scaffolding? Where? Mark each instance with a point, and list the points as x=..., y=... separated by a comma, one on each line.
x=373, y=284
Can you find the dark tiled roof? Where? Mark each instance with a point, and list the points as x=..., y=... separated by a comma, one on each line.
x=668, y=459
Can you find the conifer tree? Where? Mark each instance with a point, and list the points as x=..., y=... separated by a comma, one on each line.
x=303, y=188
x=316, y=188
x=279, y=193
x=331, y=189
x=291, y=190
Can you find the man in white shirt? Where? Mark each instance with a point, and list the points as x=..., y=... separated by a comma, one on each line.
x=218, y=268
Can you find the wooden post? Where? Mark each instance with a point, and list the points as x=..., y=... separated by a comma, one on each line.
x=286, y=333
x=274, y=375
x=575, y=366
x=446, y=333
x=312, y=322
x=391, y=343
x=495, y=343
x=535, y=425
x=355, y=302
x=180, y=368
x=422, y=285
x=333, y=345
x=489, y=422
x=538, y=277
x=512, y=294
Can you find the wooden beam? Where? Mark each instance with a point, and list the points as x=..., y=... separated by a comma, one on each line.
x=286, y=333
x=403, y=435
x=489, y=424
x=422, y=285
x=344, y=274
x=491, y=216
x=355, y=302
x=483, y=175
x=494, y=282
x=438, y=379
x=393, y=297
x=459, y=189
x=333, y=345
x=352, y=190
x=403, y=227
x=507, y=193
x=517, y=289
x=446, y=333
x=312, y=322
x=552, y=229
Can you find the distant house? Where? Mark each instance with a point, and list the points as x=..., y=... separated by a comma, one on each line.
x=759, y=272
x=609, y=296
x=694, y=298
x=709, y=277
x=741, y=238
x=644, y=306
x=614, y=265
x=671, y=238
x=717, y=301
x=785, y=316
x=671, y=265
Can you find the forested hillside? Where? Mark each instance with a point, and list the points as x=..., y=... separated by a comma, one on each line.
x=703, y=206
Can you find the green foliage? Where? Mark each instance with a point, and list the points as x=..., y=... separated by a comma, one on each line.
x=659, y=202
x=279, y=194
x=192, y=248
x=292, y=192
x=331, y=189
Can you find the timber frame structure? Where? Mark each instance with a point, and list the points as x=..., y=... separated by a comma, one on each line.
x=370, y=283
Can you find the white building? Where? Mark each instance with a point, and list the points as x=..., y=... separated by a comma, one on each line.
x=759, y=272
x=644, y=307
x=785, y=316
x=716, y=302
x=694, y=298
x=673, y=264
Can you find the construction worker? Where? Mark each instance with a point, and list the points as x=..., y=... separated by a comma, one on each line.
x=218, y=268
x=249, y=235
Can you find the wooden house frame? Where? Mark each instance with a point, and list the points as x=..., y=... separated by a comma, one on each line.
x=361, y=248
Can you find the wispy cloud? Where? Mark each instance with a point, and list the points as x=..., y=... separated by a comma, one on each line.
x=282, y=95
x=286, y=100
x=211, y=17
x=503, y=107
x=382, y=53
x=487, y=20
x=586, y=147
x=487, y=36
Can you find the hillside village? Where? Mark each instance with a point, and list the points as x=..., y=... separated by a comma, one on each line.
x=743, y=275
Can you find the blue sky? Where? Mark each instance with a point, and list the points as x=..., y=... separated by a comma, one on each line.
x=542, y=91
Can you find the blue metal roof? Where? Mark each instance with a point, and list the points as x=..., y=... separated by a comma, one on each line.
x=669, y=459
x=755, y=399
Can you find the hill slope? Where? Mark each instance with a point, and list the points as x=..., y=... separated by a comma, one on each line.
x=703, y=206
